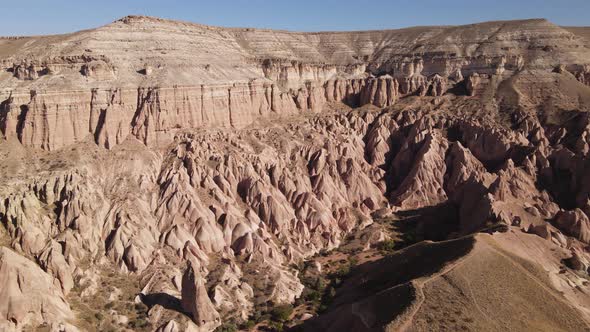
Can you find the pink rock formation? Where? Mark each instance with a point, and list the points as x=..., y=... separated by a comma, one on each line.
x=574, y=223
x=28, y=294
x=196, y=302
x=472, y=84
x=171, y=326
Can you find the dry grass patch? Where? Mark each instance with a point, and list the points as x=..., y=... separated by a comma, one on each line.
x=98, y=312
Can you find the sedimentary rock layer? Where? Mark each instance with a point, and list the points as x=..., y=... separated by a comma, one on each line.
x=58, y=90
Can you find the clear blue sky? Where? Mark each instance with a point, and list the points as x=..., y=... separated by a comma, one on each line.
x=27, y=17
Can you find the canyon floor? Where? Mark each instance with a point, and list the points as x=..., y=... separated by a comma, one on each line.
x=168, y=176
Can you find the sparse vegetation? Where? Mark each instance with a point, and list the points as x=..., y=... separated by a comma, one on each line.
x=93, y=311
x=276, y=326
x=248, y=325
x=320, y=289
x=273, y=318
x=227, y=327
x=387, y=247
x=282, y=313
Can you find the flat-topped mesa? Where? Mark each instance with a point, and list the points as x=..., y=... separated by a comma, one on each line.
x=145, y=76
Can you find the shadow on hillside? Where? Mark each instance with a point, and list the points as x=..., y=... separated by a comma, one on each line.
x=165, y=300
x=385, y=287
x=433, y=223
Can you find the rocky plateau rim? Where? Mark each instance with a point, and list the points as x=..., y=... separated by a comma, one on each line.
x=134, y=19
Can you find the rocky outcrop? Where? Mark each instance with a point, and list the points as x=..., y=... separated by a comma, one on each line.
x=574, y=223
x=171, y=326
x=472, y=83
x=381, y=91
x=423, y=185
x=578, y=261
x=438, y=86
x=196, y=302
x=26, y=71
x=29, y=295
x=49, y=120
x=98, y=70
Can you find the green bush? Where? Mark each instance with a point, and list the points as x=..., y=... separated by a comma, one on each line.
x=249, y=324
x=227, y=327
x=282, y=313
x=255, y=316
x=387, y=246
x=342, y=272
x=313, y=296
x=276, y=326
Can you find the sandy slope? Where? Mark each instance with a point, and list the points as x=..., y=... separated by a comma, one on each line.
x=481, y=287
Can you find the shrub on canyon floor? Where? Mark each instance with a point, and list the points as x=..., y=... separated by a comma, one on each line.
x=281, y=313
x=313, y=291
x=387, y=246
x=276, y=326
x=313, y=296
x=341, y=273
x=248, y=325
x=227, y=327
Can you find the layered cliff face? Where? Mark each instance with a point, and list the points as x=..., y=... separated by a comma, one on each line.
x=194, y=170
x=101, y=83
